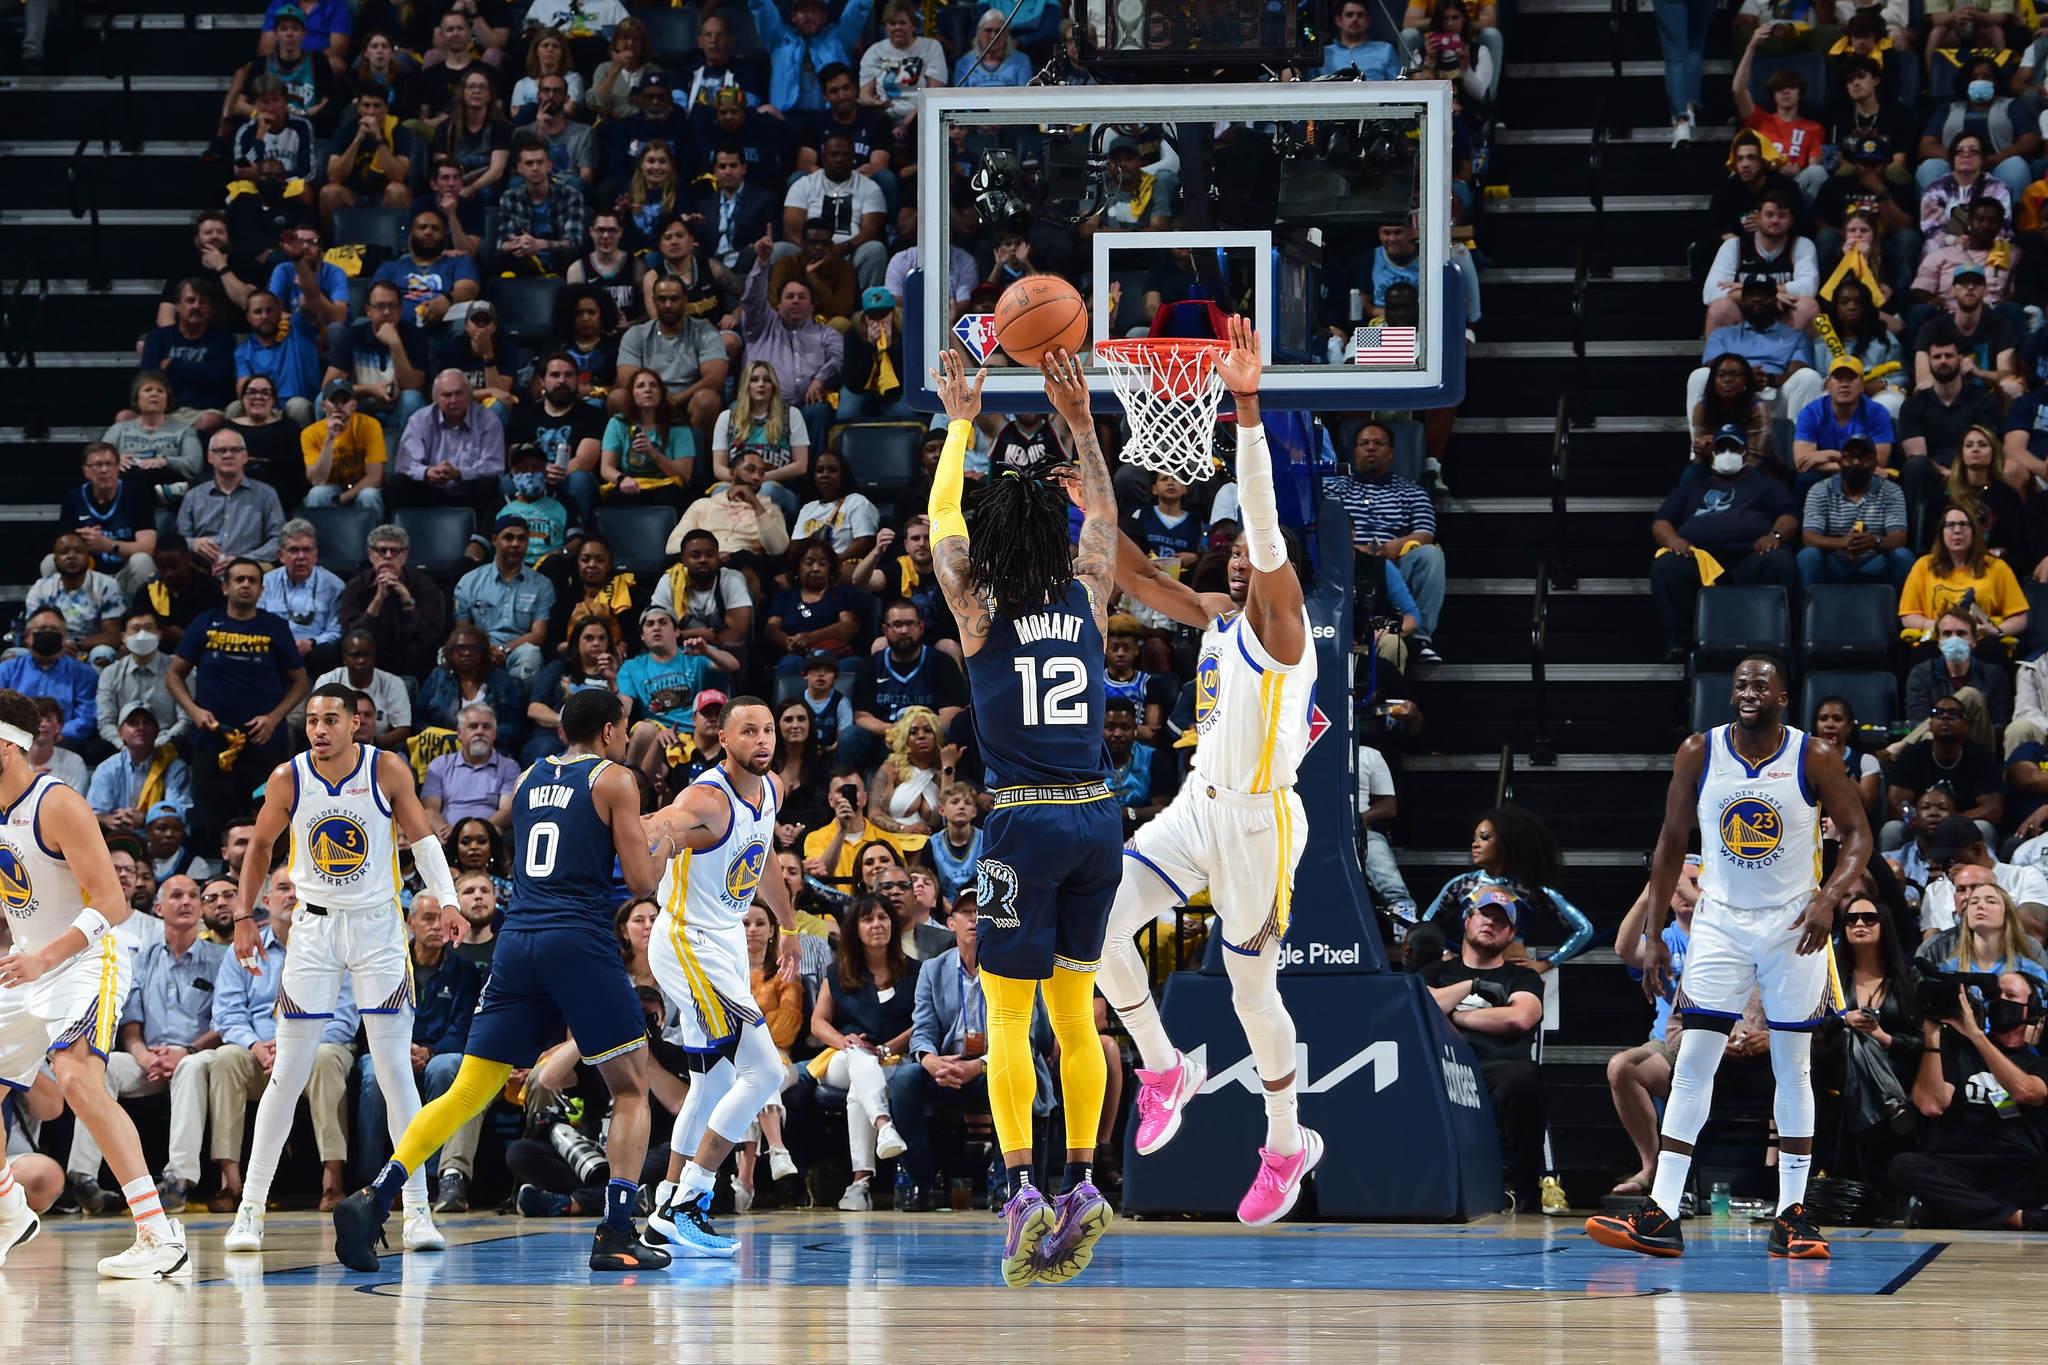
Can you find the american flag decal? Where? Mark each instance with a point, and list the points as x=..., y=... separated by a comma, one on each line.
x=1384, y=345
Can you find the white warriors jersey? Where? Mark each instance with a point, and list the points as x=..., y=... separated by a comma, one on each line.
x=1251, y=713
x=711, y=888
x=41, y=896
x=1759, y=825
x=344, y=842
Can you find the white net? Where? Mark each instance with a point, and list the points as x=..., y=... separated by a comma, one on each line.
x=1170, y=391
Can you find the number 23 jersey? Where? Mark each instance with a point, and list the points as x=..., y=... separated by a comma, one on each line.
x=1759, y=825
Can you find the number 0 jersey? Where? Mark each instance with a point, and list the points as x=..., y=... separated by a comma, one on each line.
x=562, y=847
x=344, y=855
x=1759, y=825
x=1037, y=688
x=1251, y=713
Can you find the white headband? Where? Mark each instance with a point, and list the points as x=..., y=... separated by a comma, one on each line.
x=19, y=738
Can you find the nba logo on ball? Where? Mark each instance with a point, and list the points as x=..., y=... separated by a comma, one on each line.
x=1751, y=830
x=744, y=873
x=339, y=848
x=17, y=892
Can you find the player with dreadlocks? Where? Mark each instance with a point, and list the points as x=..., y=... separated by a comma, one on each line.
x=1031, y=613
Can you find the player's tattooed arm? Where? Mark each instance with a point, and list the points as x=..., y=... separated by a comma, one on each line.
x=1096, y=554
x=970, y=613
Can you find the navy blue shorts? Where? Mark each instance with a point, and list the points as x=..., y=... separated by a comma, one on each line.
x=1047, y=877
x=545, y=980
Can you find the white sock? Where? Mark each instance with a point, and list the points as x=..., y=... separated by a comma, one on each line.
x=298, y=1043
x=1283, y=1121
x=696, y=1180
x=6, y=1179
x=390, y=1038
x=663, y=1193
x=1669, y=1187
x=147, y=1208
x=1792, y=1169
x=1122, y=978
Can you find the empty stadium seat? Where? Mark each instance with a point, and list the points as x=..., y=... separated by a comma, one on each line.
x=439, y=537
x=672, y=33
x=1730, y=622
x=343, y=535
x=884, y=455
x=1711, y=700
x=1848, y=625
x=526, y=308
x=638, y=535
x=1873, y=696
x=382, y=230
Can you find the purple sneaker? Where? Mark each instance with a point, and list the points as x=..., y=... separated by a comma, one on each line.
x=1083, y=1216
x=1027, y=1220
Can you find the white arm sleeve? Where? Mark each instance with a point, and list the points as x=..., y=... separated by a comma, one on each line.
x=1258, y=501
x=433, y=865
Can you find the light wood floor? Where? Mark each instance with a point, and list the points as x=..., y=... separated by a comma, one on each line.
x=882, y=1289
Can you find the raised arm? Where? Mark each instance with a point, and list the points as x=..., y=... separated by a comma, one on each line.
x=1273, y=605
x=1095, y=557
x=1139, y=577
x=949, y=524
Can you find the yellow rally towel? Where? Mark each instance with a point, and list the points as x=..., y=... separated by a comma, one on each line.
x=154, y=781
x=232, y=744
x=1853, y=265
x=1710, y=567
x=426, y=746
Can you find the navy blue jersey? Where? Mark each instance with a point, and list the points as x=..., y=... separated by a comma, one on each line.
x=562, y=853
x=1037, y=688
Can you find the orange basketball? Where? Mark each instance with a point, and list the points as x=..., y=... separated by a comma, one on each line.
x=1038, y=313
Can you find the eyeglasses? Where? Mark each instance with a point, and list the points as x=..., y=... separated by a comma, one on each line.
x=1945, y=713
x=217, y=898
x=892, y=886
x=381, y=550
x=1860, y=917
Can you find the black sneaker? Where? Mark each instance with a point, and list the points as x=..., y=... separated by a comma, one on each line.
x=614, y=1249
x=358, y=1232
x=454, y=1194
x=1648, y=1230
x=1796, y=1236
x=94, y=1200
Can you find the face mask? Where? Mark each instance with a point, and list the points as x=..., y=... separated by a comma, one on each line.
x=528, y=484
x=1728, y=463
x=1955, y=648
x=1855, y=480
x=2006, y=1015
x=47, y=642
x=1980, y=92
x=142, y=643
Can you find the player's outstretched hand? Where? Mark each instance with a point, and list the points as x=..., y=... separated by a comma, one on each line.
x=962, y=399
x=1816, y=923
x=1066, y=385
x=1240, y=365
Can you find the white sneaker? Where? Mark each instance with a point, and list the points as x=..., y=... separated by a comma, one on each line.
x=781, y=1165
x=151, y=1258
x=247, y=1233
x=420, y=1232
x=18, y=1222
x=1681, y=131
x=855, y=1200
x=742, y=1197
x=889, y=1143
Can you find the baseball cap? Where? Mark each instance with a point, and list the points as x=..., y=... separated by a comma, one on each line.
x=287, y=13
x=821, y=658
x=1846, y=362
x=656, y=80
x=1122, y=143
x=1760, y=284
x=1868, y=149
x=506, y=523
x=165, y=810
x=523, y=451
x=1951, y=837
x=339, y=391
x=1966, y=268
x=1731, y=435
x=140, y=708
x=877, y=299
x=1860, y=442
x=482, y=308
x=711, y=699
x=1492, y=897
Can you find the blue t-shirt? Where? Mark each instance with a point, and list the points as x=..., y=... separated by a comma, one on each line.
x=666, y=692
x=1678, y=941
x=1372, y=59
x=423, y=283
x=2029, y=414
x=284, y=282
x=798, y=615
x=202, y=372
x=1727, y=519
x=1159, y=538
x=1386, y=272
x=1819, y=424
x=130, y=510
x=239, y=668
x=547, y=525
x=293, y=365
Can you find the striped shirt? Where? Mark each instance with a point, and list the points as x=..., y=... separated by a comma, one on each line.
x=243, y=520
x=1386, y=508
x=1829, y=511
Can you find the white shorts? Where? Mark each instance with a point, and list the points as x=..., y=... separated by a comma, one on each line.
x=704, y=978
x=1736, y=951
x=1242, y=848
x=78, y=1002
x=368, y=945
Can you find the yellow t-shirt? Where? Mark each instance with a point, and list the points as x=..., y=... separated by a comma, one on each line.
x=360, y=444
x=1929, y=595
x=841, y=874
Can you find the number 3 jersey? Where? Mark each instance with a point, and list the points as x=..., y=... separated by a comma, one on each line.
x=1759, y=825
x=344, y=855
x=1251, y=713
x=1037, y=688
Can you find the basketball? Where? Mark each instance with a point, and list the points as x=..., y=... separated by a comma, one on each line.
x=1038, y=313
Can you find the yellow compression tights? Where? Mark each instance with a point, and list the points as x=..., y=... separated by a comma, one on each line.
x=1012, y=1081
x=476, y=1085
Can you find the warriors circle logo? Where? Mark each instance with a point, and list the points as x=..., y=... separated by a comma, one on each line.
x=743, y=874
x=17, y=892
x=995, y=893
x=1751, y=829
x=339, y=848
x=1208, y=683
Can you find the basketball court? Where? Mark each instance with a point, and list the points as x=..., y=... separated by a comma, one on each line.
x=889, y=1288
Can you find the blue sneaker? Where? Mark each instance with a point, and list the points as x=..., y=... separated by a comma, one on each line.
x=1027, y=1221
x=688, y=1228
x=534, y=1202
x=1082, y=1215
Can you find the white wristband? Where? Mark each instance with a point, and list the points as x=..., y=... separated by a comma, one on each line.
x=93, y=925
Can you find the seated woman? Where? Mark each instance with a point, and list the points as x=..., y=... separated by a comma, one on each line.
x=904, y=795
x=782, y=1013
x=589, y=586
x=1835, y=721
x=1730, y=399
x=863, y=1019
x=633, y=926
x=475, y=845
x=650, y=199
x=586, y=327
x=466, y=676
x=649, y=453
x=591, y=663
x=838, y=511
x=1960, y=563
x=817, y=615
x=760, y=420
x=1977, y=481
x=1987, y=937
x=1851, y=325
x=1947, y=186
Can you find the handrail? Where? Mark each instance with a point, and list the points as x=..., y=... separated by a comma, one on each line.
x=1560, y=575
x=1615, y=10
x=1504, y=777
x=26, y=317
x=85, y=203
x=1540, y=751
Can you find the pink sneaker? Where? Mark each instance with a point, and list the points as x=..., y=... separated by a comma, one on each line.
x=1161, y=1097
x=1278, y=1183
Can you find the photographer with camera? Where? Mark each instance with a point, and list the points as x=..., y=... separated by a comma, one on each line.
x=1983, y=1087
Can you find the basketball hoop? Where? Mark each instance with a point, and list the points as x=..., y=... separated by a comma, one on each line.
x=1171, y=391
